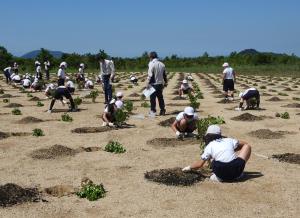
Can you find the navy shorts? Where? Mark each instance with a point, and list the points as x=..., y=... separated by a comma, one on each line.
x=71, y=89
x=62, y=92
x=228, y=85
x=186, y=91
x=229, y=171
x=251, y=94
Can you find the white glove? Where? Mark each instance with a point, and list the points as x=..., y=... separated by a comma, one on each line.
x=111, y=124
x=178, y=134
x=104, y=124
x=187, y=169
x=238, y=109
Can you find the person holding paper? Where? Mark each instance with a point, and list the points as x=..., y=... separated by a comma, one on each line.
x=157, y=79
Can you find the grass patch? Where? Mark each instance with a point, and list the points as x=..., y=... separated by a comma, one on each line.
x=16, y=111
x=92, y=192
x=114, y=147
x=37, y=132
x=66, y=117
x=39, y=104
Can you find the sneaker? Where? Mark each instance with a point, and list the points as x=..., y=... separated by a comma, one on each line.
x=162, y=113
x=152, y=114
x=49, y=111
x=214, y=178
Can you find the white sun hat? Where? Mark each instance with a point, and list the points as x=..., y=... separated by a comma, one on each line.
x=189, y=111
x=82, y=65
x=241, y=94
x=184, y=81
x=213, y=129
x=37, y=63
x=119, y=94
x=63, y=64
x=225, y=64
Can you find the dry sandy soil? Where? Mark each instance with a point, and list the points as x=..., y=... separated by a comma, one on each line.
x=270, y=188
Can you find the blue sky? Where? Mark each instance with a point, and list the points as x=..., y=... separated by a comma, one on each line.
x=130, y=27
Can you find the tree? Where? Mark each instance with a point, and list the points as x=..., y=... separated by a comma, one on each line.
x=5, y=57
x=44, y=55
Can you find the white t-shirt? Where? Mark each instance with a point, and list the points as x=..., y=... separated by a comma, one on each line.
x=26, y=82
x=80, y=70
x=107, y=67
x=7, y=69
x=16, y=78
x=38, y=69
x=70, y=84
x=47, y=65
x=185, y=86
x=180, y=116
x=247, y=90
x=88, y=84
x=221, y=150
x=61, y=73
x=157, y=69
x=12, y=75
x=228, y=71
x=119, y=104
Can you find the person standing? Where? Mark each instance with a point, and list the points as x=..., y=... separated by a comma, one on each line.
x=107, y=72
x=157, y=78
x=47, y=69
x=229, y=78
x=61, y=73
x=7, y=73
x=16, y=68
x=38, y=70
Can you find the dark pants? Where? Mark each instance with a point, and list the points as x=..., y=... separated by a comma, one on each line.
x=107, y=89
x=157, y=94
x=253, y=94
x=7, y=76
x=47, y=74
x=59, y=94
x=61, y=82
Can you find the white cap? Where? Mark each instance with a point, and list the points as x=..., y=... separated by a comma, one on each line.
x=82, y=65
x=184, y=81
x=119, y=104
x=119, y=94
x=213, y=129
x=63, y=64
x=112, y=101
x=37, y=63
x=189, y=111
x=241, y=94
x=132, y=78
x=225, y=64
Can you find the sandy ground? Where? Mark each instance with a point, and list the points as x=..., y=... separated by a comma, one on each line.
x=271, y=191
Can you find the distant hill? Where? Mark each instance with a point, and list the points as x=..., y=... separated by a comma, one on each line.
x=34, y=54
x=249, y=52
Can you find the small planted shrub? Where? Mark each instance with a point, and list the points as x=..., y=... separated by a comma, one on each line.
x=282, y=94
x=92, y=192
x=120, y=117
x=254, y=84
x=114, y=147
x=296, y=99
x=16, y=111
x=29, y=95
x=142, y=97
x=39, y=104
x=262, y=87
x=285, y=115
x=77, y=101
x=193, y=101
x=37, y=132
x=94, y=94
x=5, y=100
x=128, y=106
x=66, y=118
x=22, y=90
x=129, y=86
x=145, y=104
x=1, y=91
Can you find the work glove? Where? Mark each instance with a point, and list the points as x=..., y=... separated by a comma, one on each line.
x=187, y=169
x=178, y=135
x=111, y=124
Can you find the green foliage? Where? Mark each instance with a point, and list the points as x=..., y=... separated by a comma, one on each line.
x=193, y=101
x=285, y=115
x=77, y=101
x=29, y=95
x=263, y=87
x=114, y=147
x=128, y=106
x=16, y=111
x=282, y=94
x=22, y=90
x=94, y=94
x=5, y=100
x=66, y=117
x=92, y=192
x=130, y=87
x=120, y=116
x=37, y=132
x=296, y=98
x=142, y=97
x=39, y=104
x=198, y=93
x=145, y=104
x=1, y=91
x=254, y=84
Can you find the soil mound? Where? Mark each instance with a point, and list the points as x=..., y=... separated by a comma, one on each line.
x=134, y=95
x=20, y=133
x=11, y=194
x=174, y=176
x=246, y=117
x=274, y=99
x=60, y=190
x=178, y=98
x=13, y=105
x=89, y=149
x=6, y=96
x=30, y=119
x=294, y=105
x=224, y=101
x=171, y=142
x=288, y=157
x=55, y=151
x=167, y=122
x=35, y=98
x=266, y=134
x=3, y=135
x=91, y=129
x=288, y=89
x=265, y=94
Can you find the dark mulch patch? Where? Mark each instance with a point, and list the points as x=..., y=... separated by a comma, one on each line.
x=11, y=194
x=267, y=134
x=92, y=129
x=20, y=133
x=35, y=98
x=224, y=101
x=288, y=89
x=13, y=105
x=30, y=119
x=174, y=176
x=274, y=99
x=294, y=105
x=265, y=94
x=177, y=104
x=217, y=92
x=173, y=112
x=179, y=98
x=6, y=96
x=4, y=135
x=175, y=92
x=288, y=157
x=247, y=117
x=167, y=122
x=171, y=142
x=60, y=190
x=88, y=149
x=134, y=95
x=55, y=151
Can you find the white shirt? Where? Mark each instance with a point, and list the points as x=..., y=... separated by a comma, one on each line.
x=221, y=150
x=12, y=75
x=107, y=68
x=157, y=69
x=88, y=84
x=247, y=90
x=47, y=65
x=16, y=77
x=7, y=69
x=38, y=69
x=26, y=82
x=61, y=73
x=119, y=104
x=180, y=116
x=228, y=71
x=132, y=78
x=185, y=86
x=80, y=70
x=50, y=87
x=70, y=84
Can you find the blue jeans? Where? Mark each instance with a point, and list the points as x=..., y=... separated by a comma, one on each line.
x=107, y=89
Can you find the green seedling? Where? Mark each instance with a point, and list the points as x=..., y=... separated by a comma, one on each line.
x=5, y=100
x=114, y=147
x=1, y=91
x=128, y=106
x=92, y=192
x=39, y=104
x=29, y=95
x=37, y=132
x=16, y=111
x=77, y=101
x=66, y=118
x=145, y=104
x=296, y=98
x=193, y=101
x=262, y=87
x=285, y=115
x=94, y=94
x=282, y=94
x=129, y=86
x=120, y=117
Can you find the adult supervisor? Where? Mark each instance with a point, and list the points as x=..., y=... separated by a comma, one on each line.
x=229, y=78
x=107, y=72
x=157, y=78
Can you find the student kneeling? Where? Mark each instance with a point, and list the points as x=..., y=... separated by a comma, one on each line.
x=247, y=95
x=185, y=123
x=109, y=115
x=229, y=156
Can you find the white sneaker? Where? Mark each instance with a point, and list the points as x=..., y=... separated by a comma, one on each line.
x=49, y=111
x=152, y=114
x=214, y=178
x=238, y=109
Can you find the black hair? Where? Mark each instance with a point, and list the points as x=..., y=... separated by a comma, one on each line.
x=153, y=54
x=211, y=137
